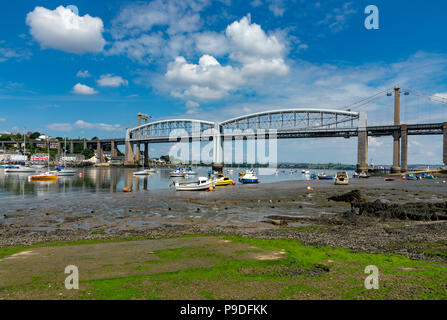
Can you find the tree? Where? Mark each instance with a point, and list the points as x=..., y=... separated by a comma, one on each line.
x=88, y=153
x=5, y=137
x=34, y=135
x=95, y=138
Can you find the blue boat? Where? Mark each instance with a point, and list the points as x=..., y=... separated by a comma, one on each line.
x=323, y=176
x=249, y=177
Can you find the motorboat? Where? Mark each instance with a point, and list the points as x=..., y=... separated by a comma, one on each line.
x=177, y=173
x=341, y=178
x=6, y=166
x=305, y=172
x=324, y=176
x=249, y=177
x=202, y=183
x=47, y=176
x=313, y=176
x=355, y=175
x=363, y=175
x=145, y=172
x=221, y=180
x=20, y=169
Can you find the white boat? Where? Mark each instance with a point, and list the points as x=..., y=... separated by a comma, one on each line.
x=249, y=177
x=177, y=173
x=202, y=183
x=20, y=169
x=341, y=178
x=145, y=172
x=305, y=172
x=66, y=172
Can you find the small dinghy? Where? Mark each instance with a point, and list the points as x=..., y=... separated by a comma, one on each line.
x=202, y=183
x=145, y=172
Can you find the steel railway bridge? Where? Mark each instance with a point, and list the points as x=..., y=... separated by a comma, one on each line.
x=283, y=124
x=280, y=124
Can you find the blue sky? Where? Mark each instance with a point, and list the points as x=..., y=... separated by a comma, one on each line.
x=89, y=71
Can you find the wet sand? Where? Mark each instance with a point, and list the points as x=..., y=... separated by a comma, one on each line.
x=301, y=207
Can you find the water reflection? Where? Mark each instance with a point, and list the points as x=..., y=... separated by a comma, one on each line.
x=109, y=180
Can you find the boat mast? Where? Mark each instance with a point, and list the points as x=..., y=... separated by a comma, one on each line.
x=65, y=150
x=24, y=140
x=48, y=150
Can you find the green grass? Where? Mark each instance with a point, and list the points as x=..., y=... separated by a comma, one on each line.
x=303, y=272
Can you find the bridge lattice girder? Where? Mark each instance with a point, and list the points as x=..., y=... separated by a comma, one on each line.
x=283, y=121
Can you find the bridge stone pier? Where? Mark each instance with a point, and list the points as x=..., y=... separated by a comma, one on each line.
x=362, y=144
x=403, y=148
x=113, y=150
x=99, y=152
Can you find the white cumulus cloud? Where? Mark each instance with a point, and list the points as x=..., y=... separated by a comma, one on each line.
x=62, y=29
x=110, y=80
x=80, y=88
x=257, y=55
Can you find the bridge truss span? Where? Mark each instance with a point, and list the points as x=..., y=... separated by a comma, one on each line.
x=165, y=130
x=294, y=120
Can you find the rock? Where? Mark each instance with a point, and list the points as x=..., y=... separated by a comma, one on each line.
x=279, y=222
x=351, y=197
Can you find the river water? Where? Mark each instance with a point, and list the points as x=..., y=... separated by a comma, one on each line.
x=110, y=180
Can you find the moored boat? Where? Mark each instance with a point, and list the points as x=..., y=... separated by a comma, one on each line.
x=363, y=175
x=145, y=172
x=341, y=178
x=202, y=183
x=20, y=169
x=47, y=176
x=324, y=176
x=177, y=173
x=223, y=181
x=249, y=177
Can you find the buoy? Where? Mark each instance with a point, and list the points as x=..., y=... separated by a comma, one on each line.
x=309, y=188
x=307, y=179
x=126, y=189
x=233, y=183
x=403, y=178
x=80, y=174
x=210, y=189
